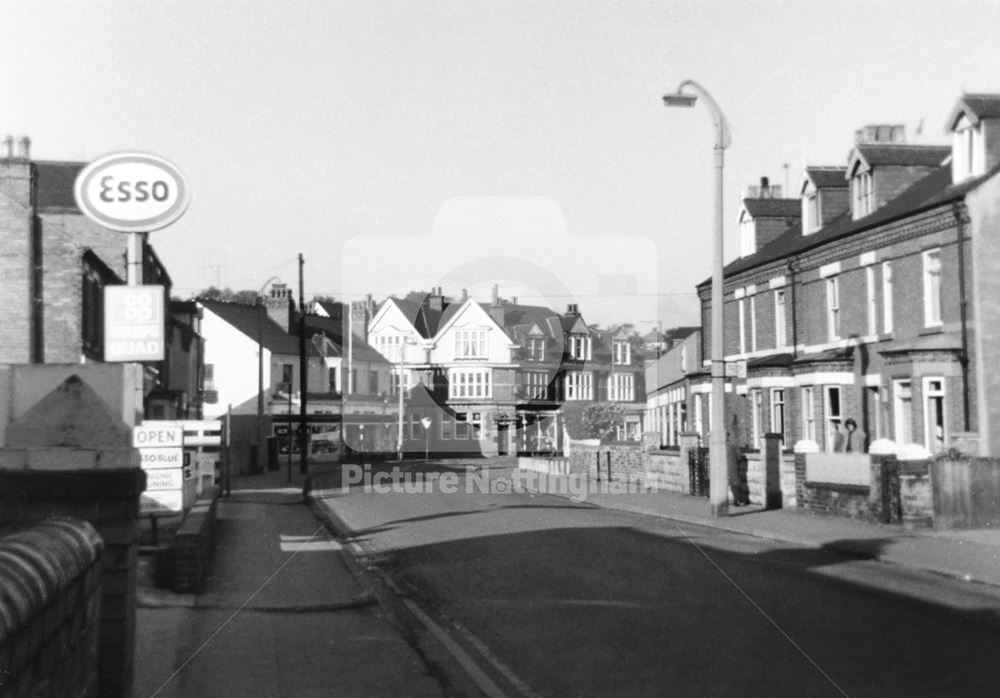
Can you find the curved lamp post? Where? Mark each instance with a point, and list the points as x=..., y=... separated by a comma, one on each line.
x=717, y=453
x=260, y=373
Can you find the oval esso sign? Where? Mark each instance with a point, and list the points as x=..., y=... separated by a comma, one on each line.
x=132, y=192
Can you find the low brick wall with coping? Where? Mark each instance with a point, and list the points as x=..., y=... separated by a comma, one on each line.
x=191, y=550
x=50, y=601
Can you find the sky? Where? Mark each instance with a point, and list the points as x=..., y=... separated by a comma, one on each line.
x=467, y=144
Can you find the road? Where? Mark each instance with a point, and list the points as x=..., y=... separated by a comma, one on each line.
x=554, y=597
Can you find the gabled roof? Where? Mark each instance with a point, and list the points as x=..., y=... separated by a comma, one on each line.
x=248, y=319
x=424, y=320
x=773, y=208
x=975, y=107
x=827, y=177
x=932, y=190
x=55, y=186
x=898, y=155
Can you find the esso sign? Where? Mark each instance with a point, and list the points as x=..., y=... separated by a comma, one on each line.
x=132, y=192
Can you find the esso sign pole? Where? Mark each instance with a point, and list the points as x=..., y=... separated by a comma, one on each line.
x=133, y=193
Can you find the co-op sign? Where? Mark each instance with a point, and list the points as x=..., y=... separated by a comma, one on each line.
x=132, y=193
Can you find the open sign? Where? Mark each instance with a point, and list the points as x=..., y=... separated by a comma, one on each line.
x=132, y=192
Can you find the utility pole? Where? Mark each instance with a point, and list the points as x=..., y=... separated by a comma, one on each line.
x=303, y=377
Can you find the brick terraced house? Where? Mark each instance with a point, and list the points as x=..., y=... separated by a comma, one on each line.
x=874, y=315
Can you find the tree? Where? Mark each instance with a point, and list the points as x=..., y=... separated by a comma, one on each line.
x=594, y=420
x=228, y=295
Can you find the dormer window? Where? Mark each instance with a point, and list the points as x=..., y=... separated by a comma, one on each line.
x=580, y=347
x=967, y=150
x=623, y=353
x=470, y=344
x=536, y=348
x=810, y=211
x=862, y=191
x=748, y=234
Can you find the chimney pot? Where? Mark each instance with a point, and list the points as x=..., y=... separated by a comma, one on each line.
x=24, y=147
x=7, y=148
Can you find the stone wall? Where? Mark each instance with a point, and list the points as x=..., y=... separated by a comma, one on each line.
x=668, y=471
x=50, y=605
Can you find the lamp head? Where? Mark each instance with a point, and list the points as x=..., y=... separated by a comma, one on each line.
x=679, y=99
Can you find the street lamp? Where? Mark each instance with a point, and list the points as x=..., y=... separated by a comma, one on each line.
x=260, y=371
x=717, y=453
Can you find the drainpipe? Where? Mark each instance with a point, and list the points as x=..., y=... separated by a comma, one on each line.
x=960, y=220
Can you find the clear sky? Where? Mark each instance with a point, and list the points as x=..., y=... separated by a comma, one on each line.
x=401, y=145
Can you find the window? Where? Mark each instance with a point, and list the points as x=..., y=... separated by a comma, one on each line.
x=932, y=288
x=447, y=427
x=331, y=379
x=579, y=385
x=470, y=383
x=812, y=212
x=871, y=307
x=536, y=385
x=887, y=297
x=833, y=308
x=778, y=412
x=461, y=425
x=748, y=235
x=699, y=414
x=834, y=436
x=808, y=414
x=621, y=387
x=93, y=312
x=394, y=381
x=580, y=347
x=390, y=346
x=753, y=323
x=287, y=372
x=935, y=433
x=470, y=344
x=476, y=425
x=779, y=318
x=373, y=383
x=875, y=411
x=416, y=427
x=536, y=349
x=756, y=417
x=902, y=412
x=623, y=353
x=863, y=193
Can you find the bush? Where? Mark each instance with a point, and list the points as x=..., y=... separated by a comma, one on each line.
x=595, y=420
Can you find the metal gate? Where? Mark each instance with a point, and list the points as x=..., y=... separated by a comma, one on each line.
x=698, y=471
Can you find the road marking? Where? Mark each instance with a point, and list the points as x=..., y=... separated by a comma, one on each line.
x=306, y=544
x=484, y=682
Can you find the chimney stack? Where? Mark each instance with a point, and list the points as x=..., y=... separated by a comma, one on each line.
x=280, y=306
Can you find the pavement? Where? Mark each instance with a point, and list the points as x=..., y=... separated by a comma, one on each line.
x=282, y=613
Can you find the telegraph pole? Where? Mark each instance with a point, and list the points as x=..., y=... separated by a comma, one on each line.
x=303, y=377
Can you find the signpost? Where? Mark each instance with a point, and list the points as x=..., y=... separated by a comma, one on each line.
x=162, y=456
x=133, y=323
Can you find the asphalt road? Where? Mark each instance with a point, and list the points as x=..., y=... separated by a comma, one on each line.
x=562, y=598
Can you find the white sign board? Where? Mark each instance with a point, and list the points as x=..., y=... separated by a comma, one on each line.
x=161, y=458
x=162, y=502
x=164, y=479
x=156, y=436
x=134, y=327
x=132, y=192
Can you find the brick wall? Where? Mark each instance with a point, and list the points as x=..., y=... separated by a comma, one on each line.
x=192, y=545
x=49, y=611
x=16, y=255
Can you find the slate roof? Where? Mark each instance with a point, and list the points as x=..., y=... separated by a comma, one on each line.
x=975, y=107
x=335, y=330
x=932, y=190
x=827, y=177
x=55, y=186
x=902, y=155
x=248, y=318
x=773, y=208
